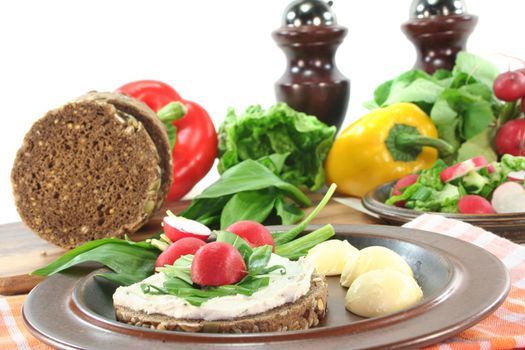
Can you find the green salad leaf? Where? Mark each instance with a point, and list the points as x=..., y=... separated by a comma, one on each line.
x=296, y=143
x=430, y=194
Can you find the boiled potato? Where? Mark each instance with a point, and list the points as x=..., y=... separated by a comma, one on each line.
x=373, y=258
x=330, y=257
x=382, y=292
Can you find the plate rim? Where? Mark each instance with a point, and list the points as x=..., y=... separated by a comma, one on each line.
x=394, y=233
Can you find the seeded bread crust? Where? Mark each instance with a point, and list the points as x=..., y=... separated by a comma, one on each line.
x=306, y=312
x=85, y=172
x=152, y=124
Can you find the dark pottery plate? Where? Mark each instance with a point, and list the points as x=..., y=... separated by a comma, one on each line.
x=511, y=226
x=462, y=285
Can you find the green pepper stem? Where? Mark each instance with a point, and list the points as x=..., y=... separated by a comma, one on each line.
x=171, y=112
x=407, y=141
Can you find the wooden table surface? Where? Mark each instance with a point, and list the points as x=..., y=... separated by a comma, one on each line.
x=22, y=251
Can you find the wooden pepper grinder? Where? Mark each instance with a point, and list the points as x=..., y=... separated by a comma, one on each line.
x=439, y=29
x=312, y=84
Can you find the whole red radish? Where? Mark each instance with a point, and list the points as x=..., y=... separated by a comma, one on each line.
x=184, y=246
x=252, y=232
x=461, y=169
x=178, y=227
x=510, y=86
x=509, y=197
x=510, y=138
x=474, y=204
x=217, y=264
x=403, y=182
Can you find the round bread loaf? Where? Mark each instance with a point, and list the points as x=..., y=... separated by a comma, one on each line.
x=86, y=171
x=152, y=124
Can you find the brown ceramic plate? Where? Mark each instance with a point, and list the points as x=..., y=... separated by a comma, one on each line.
x=511, y=226
x=462, y=285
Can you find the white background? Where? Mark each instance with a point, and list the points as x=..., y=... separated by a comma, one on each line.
x=218, y=53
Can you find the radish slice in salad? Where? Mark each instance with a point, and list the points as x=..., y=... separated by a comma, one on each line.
x=516, y=175
x=177, y=227
x=474, y=204
x=403, y=182
x=461, y=169
x=509, y=198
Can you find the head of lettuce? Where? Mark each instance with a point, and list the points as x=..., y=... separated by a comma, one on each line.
x=291, y=144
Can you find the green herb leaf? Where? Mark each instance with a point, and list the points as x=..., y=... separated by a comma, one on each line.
x=237, y=242
x=300, y=246
x=259, y=259
x=180, y=269
x=288, y=212
x=275, y=162
x=197, y=296
x=295, y=231
x=249, y=176
x=249, y=205
x=130, y=261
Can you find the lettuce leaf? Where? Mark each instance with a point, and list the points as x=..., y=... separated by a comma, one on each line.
x=297, y=142
x=460, y=102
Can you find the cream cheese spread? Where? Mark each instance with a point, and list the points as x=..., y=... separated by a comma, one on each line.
x=281, y=290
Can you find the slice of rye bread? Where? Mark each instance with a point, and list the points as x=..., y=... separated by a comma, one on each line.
x=304, y=313
x=152, y=124
x=85, y=172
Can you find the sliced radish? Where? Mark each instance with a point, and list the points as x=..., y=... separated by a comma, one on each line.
x=184, y=246
x=217, y=264
x=403, y=182
x=474, y=204
x=516, y=175
x=509, y=198
x=491, y=169
x=177, y=227
x=252, y=232
x=461, y=169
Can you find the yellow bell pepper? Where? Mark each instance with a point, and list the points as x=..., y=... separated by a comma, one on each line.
x=382, y=146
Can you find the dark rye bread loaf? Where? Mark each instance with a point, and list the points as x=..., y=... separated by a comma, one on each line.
x=152, y=124
x=304, y=313
x=86, y=171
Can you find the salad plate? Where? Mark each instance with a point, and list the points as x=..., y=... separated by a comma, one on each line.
x=511, y=226
x=74, y=309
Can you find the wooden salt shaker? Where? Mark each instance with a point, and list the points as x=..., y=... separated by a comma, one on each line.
x=439, y=29
x=312, y=84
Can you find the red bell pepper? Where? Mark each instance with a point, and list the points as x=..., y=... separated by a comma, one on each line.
x=196, y=139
